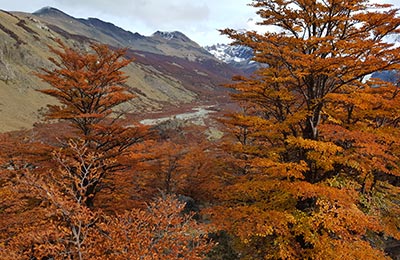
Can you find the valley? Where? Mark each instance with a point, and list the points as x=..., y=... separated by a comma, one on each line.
x=196, y=116
x=283, y=145
x=169, y=70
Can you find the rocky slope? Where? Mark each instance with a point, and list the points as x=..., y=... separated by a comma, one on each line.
x=169, y=70
x=164, y=43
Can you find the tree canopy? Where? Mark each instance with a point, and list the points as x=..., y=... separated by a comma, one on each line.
x=308, y=167
x=57, y=194
x=90, y=86
x=314, y=162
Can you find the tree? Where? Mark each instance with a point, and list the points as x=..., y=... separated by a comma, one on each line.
x=317, y=144
x=164, y=169
x=89, y=87
x=59, y=223
x=47, y=190
x=161, y=231
x=62, y=227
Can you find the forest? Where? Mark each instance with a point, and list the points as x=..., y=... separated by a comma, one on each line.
x=308, y=166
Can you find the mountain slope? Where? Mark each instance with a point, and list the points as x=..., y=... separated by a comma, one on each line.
x=105, y=32
x=169, y=70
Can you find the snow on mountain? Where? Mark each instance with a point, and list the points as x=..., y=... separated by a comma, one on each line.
x=231, y=54
x=166, y=35
x=171, y=35
x=238, y=56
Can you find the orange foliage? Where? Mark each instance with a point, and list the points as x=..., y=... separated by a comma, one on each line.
x=313, y=157
x=89, y=87
x=61, y=227
x=159, y=232
x=49, y=188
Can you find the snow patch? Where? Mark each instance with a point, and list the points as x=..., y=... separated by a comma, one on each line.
x=231, y=54
x=167, y=35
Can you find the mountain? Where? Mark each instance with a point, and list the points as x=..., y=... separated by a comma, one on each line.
x=169, y=71
x=105, y=32
x=231, y=53
x=387, y=75
x=234, y=55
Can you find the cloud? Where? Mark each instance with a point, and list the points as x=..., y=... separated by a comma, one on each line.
x=198, y=19
x=149, y=12
x=147, y=16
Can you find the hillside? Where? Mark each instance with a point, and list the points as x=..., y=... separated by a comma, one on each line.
x=169, y=68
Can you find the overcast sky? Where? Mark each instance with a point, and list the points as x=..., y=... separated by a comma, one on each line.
x=198, y=19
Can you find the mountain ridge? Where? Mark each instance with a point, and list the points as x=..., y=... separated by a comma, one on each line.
x=112, y=34
x=167, y=72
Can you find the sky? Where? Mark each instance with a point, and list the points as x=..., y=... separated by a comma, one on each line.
x=198, y=19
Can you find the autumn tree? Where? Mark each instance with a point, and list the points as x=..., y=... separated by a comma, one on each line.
x=161, y=231
x=181, y=161
x=164, y=168
x=316, y=148
x=90, y=86
x=54, y=220
x=19, y=154
x=67, y=229
x=55, y=184
x=48, y=189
